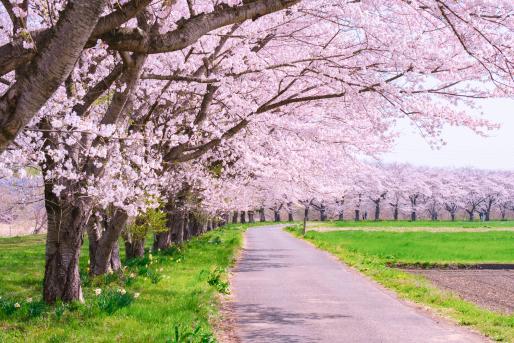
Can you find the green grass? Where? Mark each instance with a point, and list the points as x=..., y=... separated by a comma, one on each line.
x=418, y=223
x=369, y=252
x=184, y=295
x=425, y=247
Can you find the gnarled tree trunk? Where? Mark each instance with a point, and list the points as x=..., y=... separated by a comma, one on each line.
x=66, y=225
x=108, y=243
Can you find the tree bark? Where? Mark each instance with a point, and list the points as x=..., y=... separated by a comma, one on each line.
x=134, y=248
x=377, y=211
x=323, y=214
x=290, y=216
x=66, y=225
x=413, y=216
x=305, y=219
x=395, y=213
x=108, y=242
x=177, y=227
x=162, y=240
x=251, y=217
x=277, y=216
x=234, y=217
x=243, y=217
x=357, y=215
x=452, y=216
x=262, y=215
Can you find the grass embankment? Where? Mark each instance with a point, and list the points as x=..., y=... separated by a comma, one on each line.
x=173, y=290
x=369, y=252
x=384, y=224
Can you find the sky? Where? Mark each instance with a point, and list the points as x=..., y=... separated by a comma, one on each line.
x=464, y=148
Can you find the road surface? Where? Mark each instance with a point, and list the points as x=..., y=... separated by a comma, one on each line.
x=285, y=290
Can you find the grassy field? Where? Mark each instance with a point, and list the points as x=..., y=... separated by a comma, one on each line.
x=424, y=247
x=160, y=298
x=369, y=253
x=383, y=224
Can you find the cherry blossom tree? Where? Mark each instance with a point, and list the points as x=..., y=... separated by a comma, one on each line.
x=123, y=104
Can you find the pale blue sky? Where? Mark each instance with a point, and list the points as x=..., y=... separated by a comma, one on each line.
x=464, y=148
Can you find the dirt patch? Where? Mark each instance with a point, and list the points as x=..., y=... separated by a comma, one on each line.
x=491, y=289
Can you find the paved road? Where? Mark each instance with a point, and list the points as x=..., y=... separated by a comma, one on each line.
x=285, y=290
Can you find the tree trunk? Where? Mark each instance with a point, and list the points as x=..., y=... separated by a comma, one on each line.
x=277, y=216
x=341, y=215
x=107, y=243
x=377, y=211
x=471, y=216
x=262, y=215
x=234, y=217
x=186, y=233
x=66, y=225
x=413, y=216
x=290, y=216
x=305, y=218
x=134, y=248
x=226, y=218
x=177, y=227
x=115, y=258
x=395, y=213
x=487, y=215
x=452, y=216
x=243, y=217
x=162, y=240
x=251, y=217
x=194, y=226
x=357, y=215
x=323, y=214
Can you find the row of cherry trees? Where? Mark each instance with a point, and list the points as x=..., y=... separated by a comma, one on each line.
x=125, y=106
x=399, y=190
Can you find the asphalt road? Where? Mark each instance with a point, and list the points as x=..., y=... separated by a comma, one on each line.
x=285, y=290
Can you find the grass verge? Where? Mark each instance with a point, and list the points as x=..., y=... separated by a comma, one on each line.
x=415, y=288
x=170, y=296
